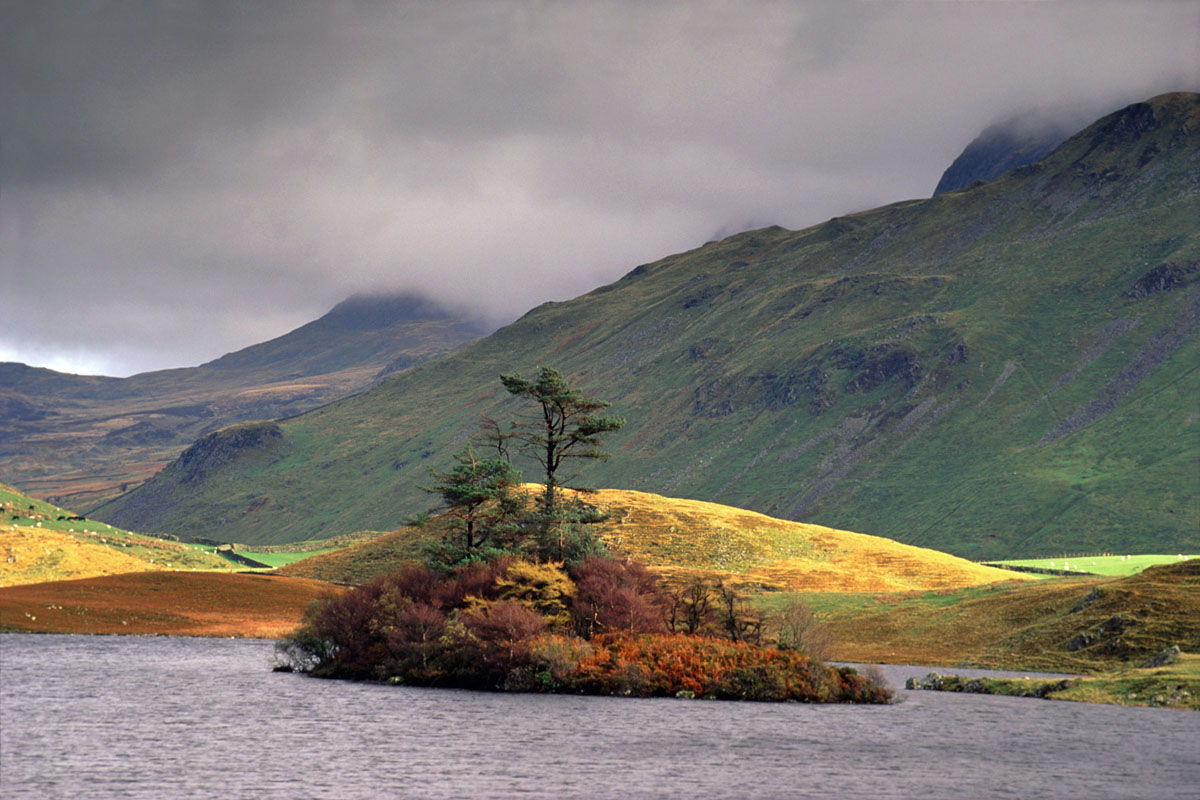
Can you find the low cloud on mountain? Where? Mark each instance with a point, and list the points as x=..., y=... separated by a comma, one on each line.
x=178, y=180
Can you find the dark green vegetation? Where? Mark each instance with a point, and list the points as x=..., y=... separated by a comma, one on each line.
x=564, y=428
x=486, y=507
x=1006, y=371
x=80, y=439
x=605, y=628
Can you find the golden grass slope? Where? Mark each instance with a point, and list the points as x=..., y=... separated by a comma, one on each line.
x=1057, y=625
x=40, y=541
x=679, y=537
x=33, y=555
x=672, y=534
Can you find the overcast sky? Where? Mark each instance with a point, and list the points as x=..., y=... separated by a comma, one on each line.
x=182, y=179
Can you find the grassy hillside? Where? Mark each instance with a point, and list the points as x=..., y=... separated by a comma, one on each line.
x=42, y=542
x=1004, y=371
x=77, y=440
x=1057, y=624
x=682, y=537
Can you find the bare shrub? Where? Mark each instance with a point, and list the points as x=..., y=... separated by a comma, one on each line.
x=797, y=628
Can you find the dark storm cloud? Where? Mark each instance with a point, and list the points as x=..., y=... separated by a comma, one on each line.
x=179, y=179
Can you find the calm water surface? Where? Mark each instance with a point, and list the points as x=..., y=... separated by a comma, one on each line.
x=99, y=717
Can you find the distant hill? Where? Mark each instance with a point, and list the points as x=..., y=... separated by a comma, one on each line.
x=1004, y=146
x=678, y=537
x=79, y=439
x=1004, y=371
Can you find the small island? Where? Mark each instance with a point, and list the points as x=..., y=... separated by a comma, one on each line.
x=520, y=595
x=603, y=627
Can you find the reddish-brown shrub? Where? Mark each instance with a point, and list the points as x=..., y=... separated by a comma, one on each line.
x=501, y=629
x=414, y=627
x=474, y=580
x=613, y=597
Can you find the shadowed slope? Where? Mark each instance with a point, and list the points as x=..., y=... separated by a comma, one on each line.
x=79, y=439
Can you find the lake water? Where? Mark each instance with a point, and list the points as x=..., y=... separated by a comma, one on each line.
x=100, y=717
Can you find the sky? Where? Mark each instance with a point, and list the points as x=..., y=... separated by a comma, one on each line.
x=180, y=179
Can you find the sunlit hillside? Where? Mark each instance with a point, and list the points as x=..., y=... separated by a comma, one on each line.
x=42, y=542
x=677, y=537
x=671, y=535
x=31, y=555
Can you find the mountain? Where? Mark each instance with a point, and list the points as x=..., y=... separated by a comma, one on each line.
x=1004, y=146
x=1003, y=371
x=78, y=439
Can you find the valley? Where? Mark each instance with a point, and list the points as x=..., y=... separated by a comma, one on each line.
x=1004, y=372
x=78, y=440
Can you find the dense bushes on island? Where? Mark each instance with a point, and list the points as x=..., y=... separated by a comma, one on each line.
x=516, y=598
x=606, y=627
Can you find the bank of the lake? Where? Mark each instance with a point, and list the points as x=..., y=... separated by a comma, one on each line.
x=151, y=717
x=1170, y=680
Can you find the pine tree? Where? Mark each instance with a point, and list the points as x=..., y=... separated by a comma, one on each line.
x=482, y=497
x=567, y=427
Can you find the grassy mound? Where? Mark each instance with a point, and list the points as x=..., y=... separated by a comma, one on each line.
x=41, y=542
x=31, y=555
x=674, y=535
x=679, y=538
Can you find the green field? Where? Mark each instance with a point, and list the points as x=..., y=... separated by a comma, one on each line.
x=283, y=559
x=1114, y=566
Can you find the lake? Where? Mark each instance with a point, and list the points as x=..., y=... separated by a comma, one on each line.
x=134, y=717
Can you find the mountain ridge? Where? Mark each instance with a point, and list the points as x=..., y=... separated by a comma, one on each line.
x=80, y=438
x=895, y=372
x=1004, y=146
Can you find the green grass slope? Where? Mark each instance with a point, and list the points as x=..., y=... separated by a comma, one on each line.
x=1004, y=371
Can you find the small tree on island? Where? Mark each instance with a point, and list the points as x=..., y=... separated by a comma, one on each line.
x=565, y=426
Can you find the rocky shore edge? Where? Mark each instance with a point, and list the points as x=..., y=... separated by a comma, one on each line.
x=1167, y=679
